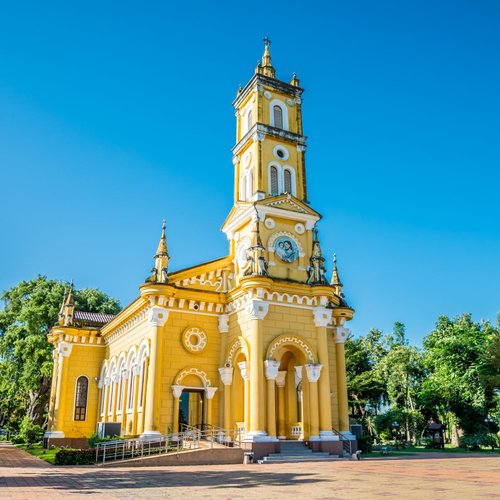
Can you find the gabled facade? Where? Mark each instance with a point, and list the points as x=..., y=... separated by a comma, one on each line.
x=253, y=341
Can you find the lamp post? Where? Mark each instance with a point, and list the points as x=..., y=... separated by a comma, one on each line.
x=395, y=425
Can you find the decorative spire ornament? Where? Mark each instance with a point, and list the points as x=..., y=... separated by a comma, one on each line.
x=335, y=281
x=317, y=270
x=267, y=66
x=67, y=311
x=295, y=81
x=256, y=261
x=159, y=273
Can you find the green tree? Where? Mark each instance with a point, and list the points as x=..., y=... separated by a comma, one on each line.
x=30, y=310
x=457, y=354
x=402, y=369
x=366, y=389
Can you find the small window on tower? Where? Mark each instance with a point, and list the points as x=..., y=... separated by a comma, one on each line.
x=274, y=181
x=288, y=181
x=278, y=116
x=249, y=120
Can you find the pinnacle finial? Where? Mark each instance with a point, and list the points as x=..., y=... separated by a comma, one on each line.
x=295, y=81
x=335, y=281
x=267, y=67
x=162, y=246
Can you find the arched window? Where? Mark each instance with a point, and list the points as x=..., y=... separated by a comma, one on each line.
x=249, y=120
x=250, y=184
x=243, y=190
x=111, y=395
x=274, y=181
x=278, y=116
x=141, y=382
x=121, y=383
x=131, y=388
x=81, y=396
x=288, y=181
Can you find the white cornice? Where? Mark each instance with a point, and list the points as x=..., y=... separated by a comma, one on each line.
x=263, y=211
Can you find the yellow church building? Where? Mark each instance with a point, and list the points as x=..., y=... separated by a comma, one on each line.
x=252, y=342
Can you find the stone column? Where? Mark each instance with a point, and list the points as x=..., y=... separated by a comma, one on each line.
x=157, y=318
x=63, y=351
x=280, y=382
x=243, y=366
x=176, y=391
x=313, y=374
x=223, y=325
x=323, y=316
x=256, y=310
x=209, y=393
x=226, y=376
x=340, y=337
x=271, y=369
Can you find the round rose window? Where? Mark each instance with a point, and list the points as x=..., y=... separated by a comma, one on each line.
x=194, y=340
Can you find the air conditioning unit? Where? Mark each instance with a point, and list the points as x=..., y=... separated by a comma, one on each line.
x=109, y=429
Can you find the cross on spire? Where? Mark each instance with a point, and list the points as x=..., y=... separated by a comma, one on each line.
x=266, y=41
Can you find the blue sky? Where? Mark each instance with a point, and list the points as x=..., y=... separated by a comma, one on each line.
x=115, y=115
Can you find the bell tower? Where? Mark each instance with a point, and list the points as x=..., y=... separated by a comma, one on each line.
x=270, y=147
x=270, y=187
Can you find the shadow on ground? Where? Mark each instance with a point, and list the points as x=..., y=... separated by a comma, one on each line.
x=98, y=479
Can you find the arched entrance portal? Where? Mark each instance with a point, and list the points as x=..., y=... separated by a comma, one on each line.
x=193, y=395
x=292, y=386
x=290, y=395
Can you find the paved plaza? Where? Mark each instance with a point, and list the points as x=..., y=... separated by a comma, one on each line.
x=23, y=476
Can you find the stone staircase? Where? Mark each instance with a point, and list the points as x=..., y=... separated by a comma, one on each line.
x=297, y=451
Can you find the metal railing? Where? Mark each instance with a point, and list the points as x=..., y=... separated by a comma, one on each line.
x=189, y=438
x=346, y=443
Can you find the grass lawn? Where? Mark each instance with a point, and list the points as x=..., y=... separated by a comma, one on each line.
x=412, y=450
x=37, y=451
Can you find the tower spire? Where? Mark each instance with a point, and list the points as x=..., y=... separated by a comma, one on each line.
x=316, y=268
x=159, y=273
x=256, y=261
x=267, y=66
x=65, y=317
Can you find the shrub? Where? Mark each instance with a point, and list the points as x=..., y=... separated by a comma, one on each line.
x=475, y=441
x=16, y=439
x=29, y=432
x=94, y=439
x=75, y=457
x=365, y=444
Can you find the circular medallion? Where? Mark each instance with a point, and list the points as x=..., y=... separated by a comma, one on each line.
x=299, y=228
x=269, y=223
x=286, y=249
x=194, y=340
x=267, y=94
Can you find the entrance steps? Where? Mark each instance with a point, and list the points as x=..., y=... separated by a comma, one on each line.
x=297, y=451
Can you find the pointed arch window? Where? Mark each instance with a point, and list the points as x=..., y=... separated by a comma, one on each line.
x=278, y=116
x=288, y=181
x=81, y=397
x=274, y=181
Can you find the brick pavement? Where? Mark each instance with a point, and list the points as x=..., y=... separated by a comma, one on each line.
x=25, y=477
